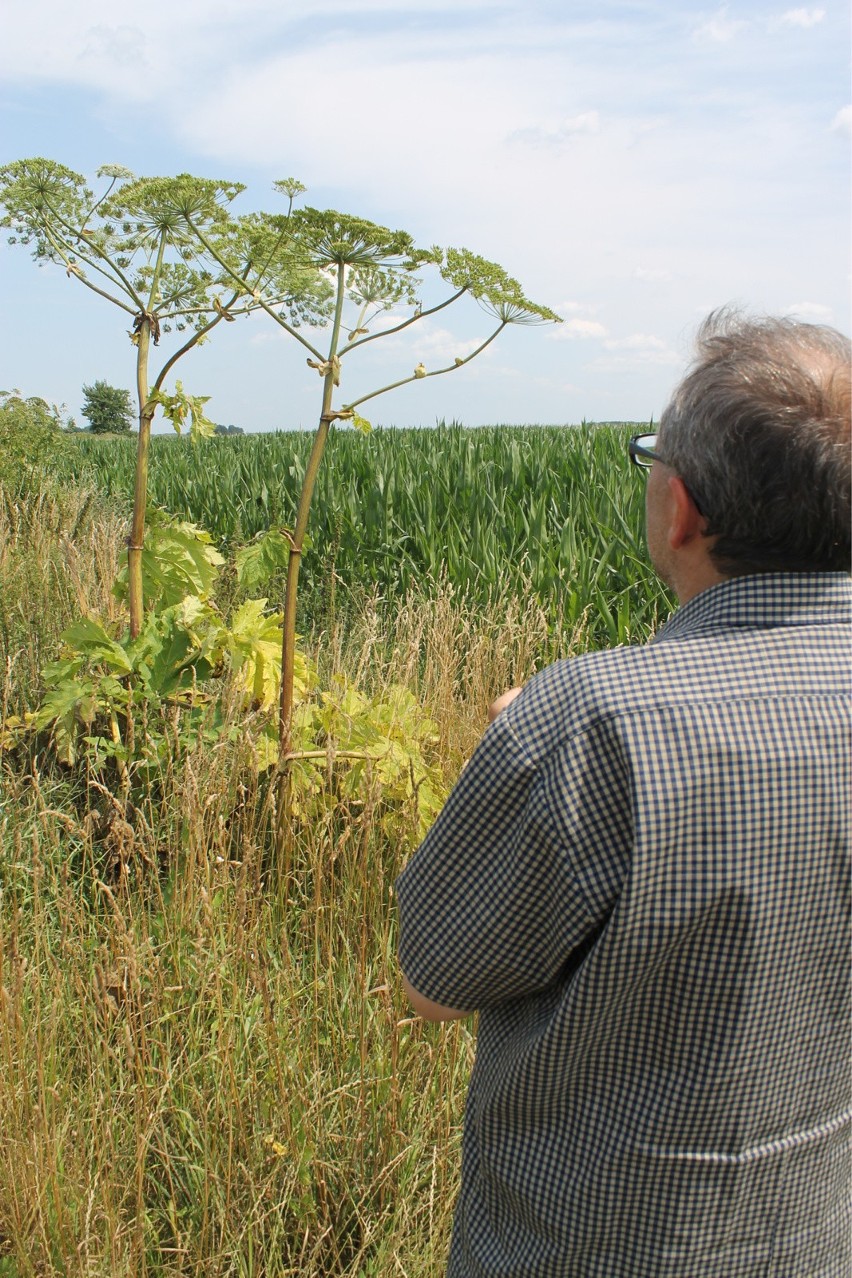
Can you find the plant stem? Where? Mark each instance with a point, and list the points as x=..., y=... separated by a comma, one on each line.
x=412, y=319
x=436, y=372
x=288, y=643
x=140, y=487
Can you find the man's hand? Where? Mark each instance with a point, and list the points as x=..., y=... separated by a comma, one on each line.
x=500, y=703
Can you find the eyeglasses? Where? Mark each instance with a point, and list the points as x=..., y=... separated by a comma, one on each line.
x=642, y=450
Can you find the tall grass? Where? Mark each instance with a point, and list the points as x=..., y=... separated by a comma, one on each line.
x=214, y=1071
x=207, y=1066
x=59, y=552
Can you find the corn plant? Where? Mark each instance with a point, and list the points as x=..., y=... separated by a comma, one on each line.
x=554, y=509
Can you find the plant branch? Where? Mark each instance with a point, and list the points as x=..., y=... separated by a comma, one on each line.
x=288, y=328
x=187, y=346
x=451, y=368
x=193, y=341
x=124, y=281
x=64, y=249
x=155, y=278
x=97, y=204
x=244, y=287
x=412, y=319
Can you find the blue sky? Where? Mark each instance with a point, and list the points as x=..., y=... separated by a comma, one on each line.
x=633, y=164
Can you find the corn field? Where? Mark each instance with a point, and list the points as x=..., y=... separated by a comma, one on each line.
x=551, y=509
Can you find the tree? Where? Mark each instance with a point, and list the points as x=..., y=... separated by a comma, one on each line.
x=139, y=245
x=107, y=408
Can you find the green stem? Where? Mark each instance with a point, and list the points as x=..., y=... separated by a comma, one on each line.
x=158, y=270
x=97, y=204
x=451, y=368
x=288, y=642
x=412, y=319
x=187, y=346
x=140, y=488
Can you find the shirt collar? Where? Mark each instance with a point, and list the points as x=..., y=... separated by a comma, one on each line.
x=764, y=600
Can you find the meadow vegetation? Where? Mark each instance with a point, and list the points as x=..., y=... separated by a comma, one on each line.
x=207, y=1066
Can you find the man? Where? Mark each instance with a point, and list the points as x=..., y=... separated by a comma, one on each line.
x=641, y=880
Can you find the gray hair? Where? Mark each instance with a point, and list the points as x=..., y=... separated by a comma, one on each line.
x=759, y=431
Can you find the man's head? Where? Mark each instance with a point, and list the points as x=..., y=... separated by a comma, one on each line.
x=758, y=435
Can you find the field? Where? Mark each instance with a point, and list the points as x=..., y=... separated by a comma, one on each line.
x=207, y=1066
x=551, y=508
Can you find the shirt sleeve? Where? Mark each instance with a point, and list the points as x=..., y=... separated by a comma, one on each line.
x=490, y=905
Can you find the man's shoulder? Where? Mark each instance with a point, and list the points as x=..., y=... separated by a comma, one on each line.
x=594, y=683
x=691, y=666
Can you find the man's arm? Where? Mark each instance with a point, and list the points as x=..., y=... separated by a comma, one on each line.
x=423, y=1006
x=427, y=1009
x=500, y=703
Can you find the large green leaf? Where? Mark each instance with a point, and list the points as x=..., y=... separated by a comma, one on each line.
x=182, y=409
x=254, y=642
x=178, y=648
x=67, y=709
x=92, y=642
x=259, y=561
x=178, y=559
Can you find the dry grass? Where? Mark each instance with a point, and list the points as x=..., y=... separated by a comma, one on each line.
x=215, y=1074
x=59, y=554
x=207, y=1066
x=455, y=658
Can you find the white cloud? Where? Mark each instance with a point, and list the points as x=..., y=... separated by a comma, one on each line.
x=558, y=135
x=802, y=17
x=636, y=342
x=842, y=122
x=585, y=122
x=124, y=46
x=636, y=351
x=578, y=328
x=433, y=347
x=567, y=307
x=652, y=275
x=719, y=29
x=812, y=311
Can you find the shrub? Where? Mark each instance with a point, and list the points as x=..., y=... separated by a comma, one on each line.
x=32, y=441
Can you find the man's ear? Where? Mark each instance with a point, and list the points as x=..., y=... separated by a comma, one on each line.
x=685, y=520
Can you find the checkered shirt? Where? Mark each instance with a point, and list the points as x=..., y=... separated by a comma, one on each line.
x=641, y=882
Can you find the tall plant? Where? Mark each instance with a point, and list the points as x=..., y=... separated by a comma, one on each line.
x=139, y=245
x=371, y=271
